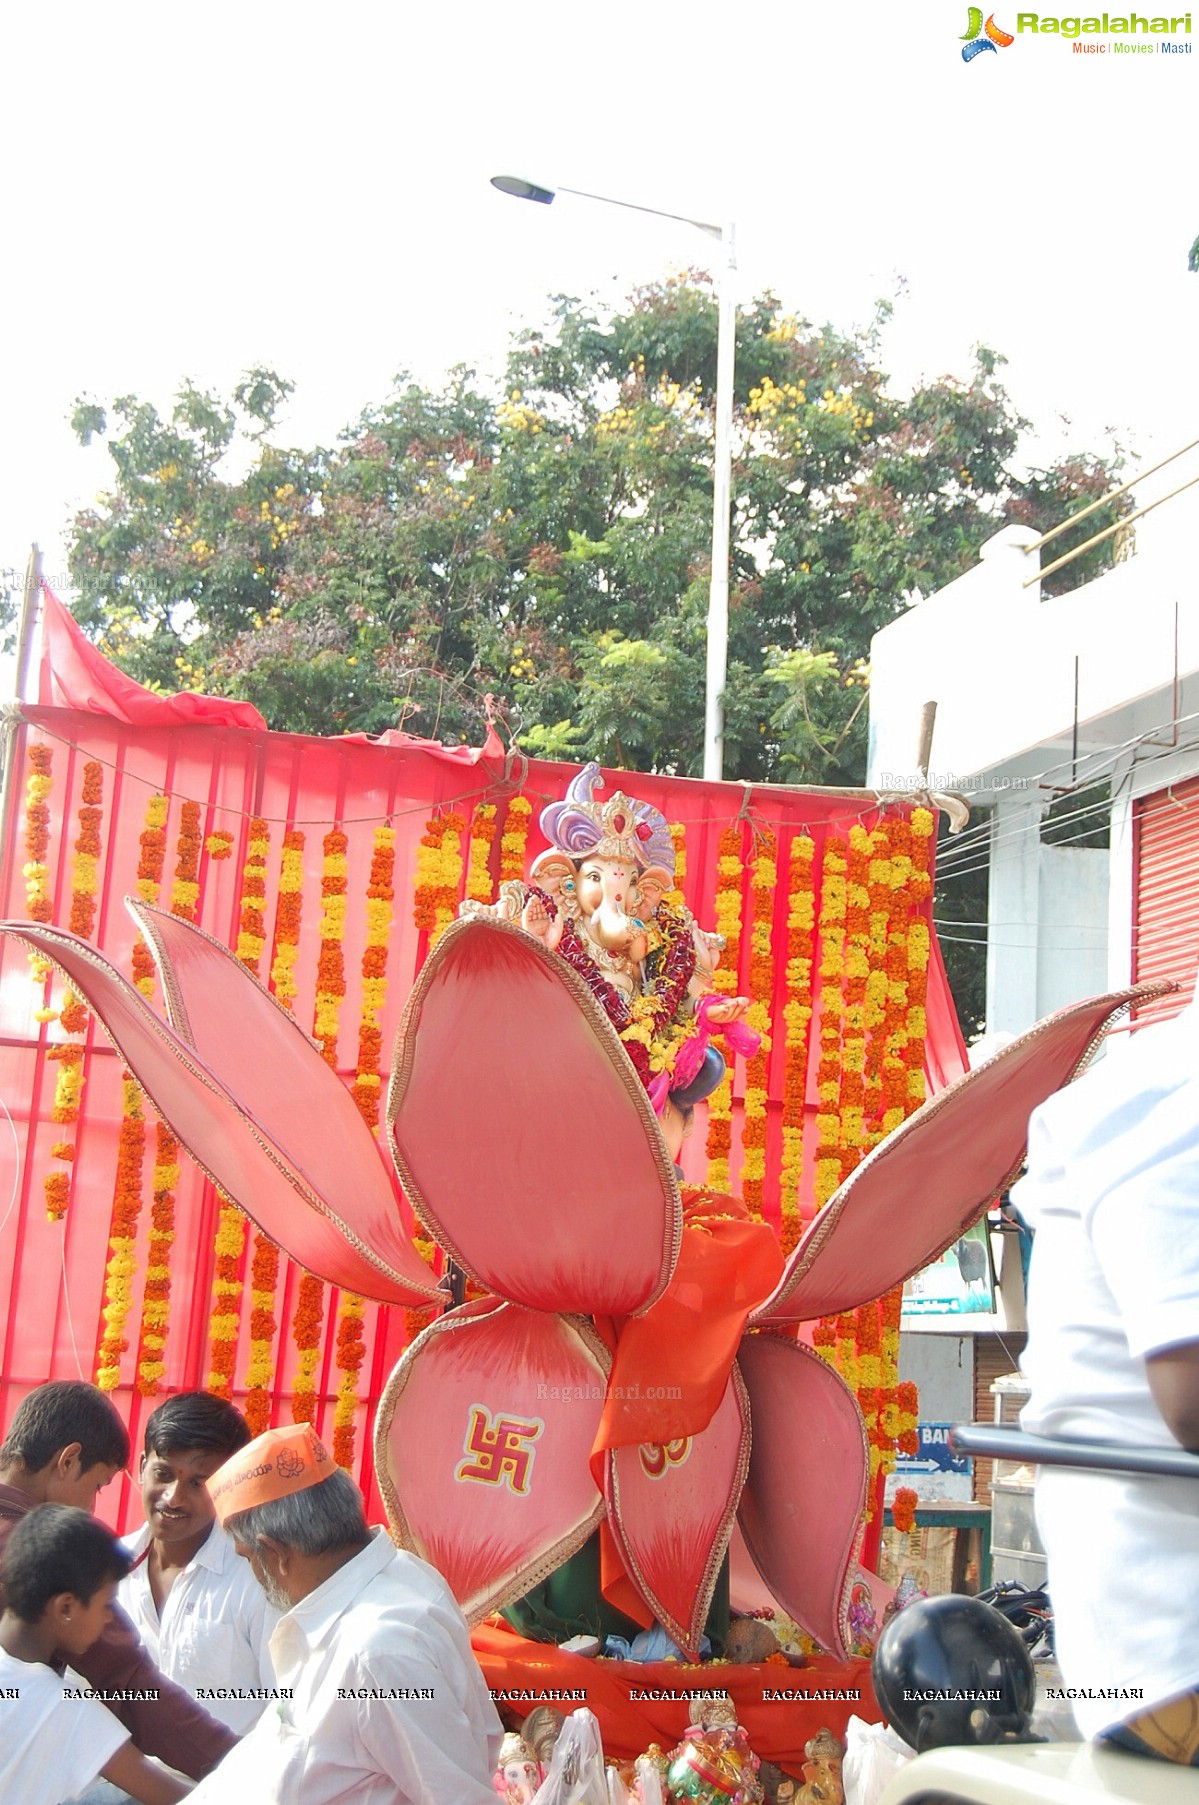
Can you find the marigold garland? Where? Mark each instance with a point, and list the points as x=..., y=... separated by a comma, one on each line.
x=350, y=1353
x=797, y=1023
x=306, y=1323
x=903, y=1509
x=224, y=1321
x=156, y=1292
x=185, y=891
x=479, y=887
x=287, y=918
x=251, y=935
x=308, y=1315
x=264, y=1277
x=678, y=839
x=156, y=1295
x=331, y=964
x=73, y=1016
x=264, y=1263
x=438, y=875
x=151, y=863
x=852, y=1137
x=380, y=899
x=122, y=1238
x=762, y=886
x=727, y=910
x=39, y=784
x=833, y=904
x=514, y=839
x=875, y=948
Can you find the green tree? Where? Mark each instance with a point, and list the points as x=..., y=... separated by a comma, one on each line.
x=550, y=545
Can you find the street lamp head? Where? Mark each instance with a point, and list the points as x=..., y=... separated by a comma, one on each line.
x=524, y=191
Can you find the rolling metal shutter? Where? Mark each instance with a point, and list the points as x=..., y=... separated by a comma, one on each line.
x=1166, y=893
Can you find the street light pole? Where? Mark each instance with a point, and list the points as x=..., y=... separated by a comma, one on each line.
x=722, y=450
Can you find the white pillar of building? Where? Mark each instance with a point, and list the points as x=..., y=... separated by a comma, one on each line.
x=1013, y=912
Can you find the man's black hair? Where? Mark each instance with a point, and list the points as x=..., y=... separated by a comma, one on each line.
x=196, y=1419
x=58, y=1548
x=57, y=1414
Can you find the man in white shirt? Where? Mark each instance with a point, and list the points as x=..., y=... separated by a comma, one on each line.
x=193, y=1600
x=1113, y=1356
x=385, y=1702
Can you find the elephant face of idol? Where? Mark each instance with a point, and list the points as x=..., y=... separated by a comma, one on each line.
x=608, y=897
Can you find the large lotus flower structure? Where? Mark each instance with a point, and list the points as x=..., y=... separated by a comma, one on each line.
x=616, y=1368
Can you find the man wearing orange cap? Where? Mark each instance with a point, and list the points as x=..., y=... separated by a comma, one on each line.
x=382, y=1701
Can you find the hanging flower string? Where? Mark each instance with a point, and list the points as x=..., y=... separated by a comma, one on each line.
x=678, y=839
x=287, y=918
x=229, y=1245
x=68, y=1087
x=264, y=1277
x=156, y=1292
x=851, y=1126
x=251, y=936
x=514, y=839
x=348, y=1357
x=309, y=1315
x=306, y=1324
x=185, y=891
x=797, y=1022
x=727, y=909
x=331, y=964
x=833, y=899
x=380, y=901
x=152, y=849
x=38, y=785
x=122, y=1238
x=156, y=1295
x=264, y=1259
x=479, y=887
x=380, y=898
x=762, y=885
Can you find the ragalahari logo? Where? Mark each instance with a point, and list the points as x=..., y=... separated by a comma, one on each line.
x=975, y=42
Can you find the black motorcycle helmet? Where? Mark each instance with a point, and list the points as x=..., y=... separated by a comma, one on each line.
x=952, y=1670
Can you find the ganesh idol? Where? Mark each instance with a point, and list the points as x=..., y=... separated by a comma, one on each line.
x=599, y=897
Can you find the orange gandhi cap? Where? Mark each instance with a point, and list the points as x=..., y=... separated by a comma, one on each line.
x=272, y=1466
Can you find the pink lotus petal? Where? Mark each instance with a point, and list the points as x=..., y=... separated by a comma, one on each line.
x=350, y=1239
x=671, y=1510
x=927, y=1182
x=803, y=1500
x=481, y=1444
x=522, y=1135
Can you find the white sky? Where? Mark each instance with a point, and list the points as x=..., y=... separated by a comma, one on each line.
x=188, y=190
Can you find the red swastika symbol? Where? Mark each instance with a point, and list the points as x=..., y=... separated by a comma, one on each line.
x=498, y=1446
x=657, y=1458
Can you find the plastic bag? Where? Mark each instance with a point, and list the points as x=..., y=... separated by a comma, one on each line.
x=576, y=1772
x=874, y=1754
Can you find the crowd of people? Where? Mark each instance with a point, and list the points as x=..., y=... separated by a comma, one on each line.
x=254, y=1639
